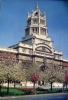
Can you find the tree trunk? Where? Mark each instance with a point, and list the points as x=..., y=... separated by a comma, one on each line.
x=51, y=86
x=0, y=88
x=14, y=84
x=8, y=87
x=66, y=86
x=63, y=88
x=34, y=86
x=26, y=84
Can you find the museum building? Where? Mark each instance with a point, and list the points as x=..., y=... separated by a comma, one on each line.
x=36, y=46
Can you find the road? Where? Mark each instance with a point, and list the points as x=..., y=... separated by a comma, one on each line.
x=56, y=96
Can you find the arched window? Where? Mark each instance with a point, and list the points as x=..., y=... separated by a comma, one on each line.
x=36, y=14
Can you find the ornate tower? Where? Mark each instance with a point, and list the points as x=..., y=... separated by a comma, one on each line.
x=36, y=23
x=36, y=33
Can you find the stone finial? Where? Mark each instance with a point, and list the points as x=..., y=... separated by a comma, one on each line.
x=28, y=14
x=32, y=11
x=36, y=7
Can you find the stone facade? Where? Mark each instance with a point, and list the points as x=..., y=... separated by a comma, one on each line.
x=36, y=46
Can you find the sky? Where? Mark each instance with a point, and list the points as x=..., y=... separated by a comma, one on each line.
x=13, y=16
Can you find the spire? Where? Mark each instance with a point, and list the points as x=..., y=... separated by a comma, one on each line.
x=36, y=7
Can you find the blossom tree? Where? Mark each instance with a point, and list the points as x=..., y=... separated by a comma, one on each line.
x=2, y=77
x=13, y=72
x=30, y=72
x=51, y=75
x=66, y=79
x=34, y=78
x=16, y=73
x=53, y=72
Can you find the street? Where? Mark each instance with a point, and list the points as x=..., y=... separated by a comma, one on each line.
x=57, y=96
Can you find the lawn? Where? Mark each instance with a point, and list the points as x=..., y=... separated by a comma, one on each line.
x=26, y=91
x=12, y=91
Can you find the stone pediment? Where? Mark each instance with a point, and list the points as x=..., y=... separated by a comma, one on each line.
x=43, y=48
x=43, y=44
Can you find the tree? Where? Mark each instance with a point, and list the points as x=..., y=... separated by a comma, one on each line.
x=51, y=77
x=32, y=73
x=66, y=79
x=34, y=78
x=54, y=73
x=60, y=74
x=16, y=73
x=2, y=77
x=26, y=69
x=13, y=72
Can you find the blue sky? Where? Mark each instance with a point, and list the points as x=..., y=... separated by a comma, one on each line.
x=13, y=15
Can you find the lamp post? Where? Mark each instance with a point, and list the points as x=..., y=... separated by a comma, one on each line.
x=8, y=77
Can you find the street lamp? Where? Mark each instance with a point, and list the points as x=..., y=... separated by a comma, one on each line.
x=8, y=79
